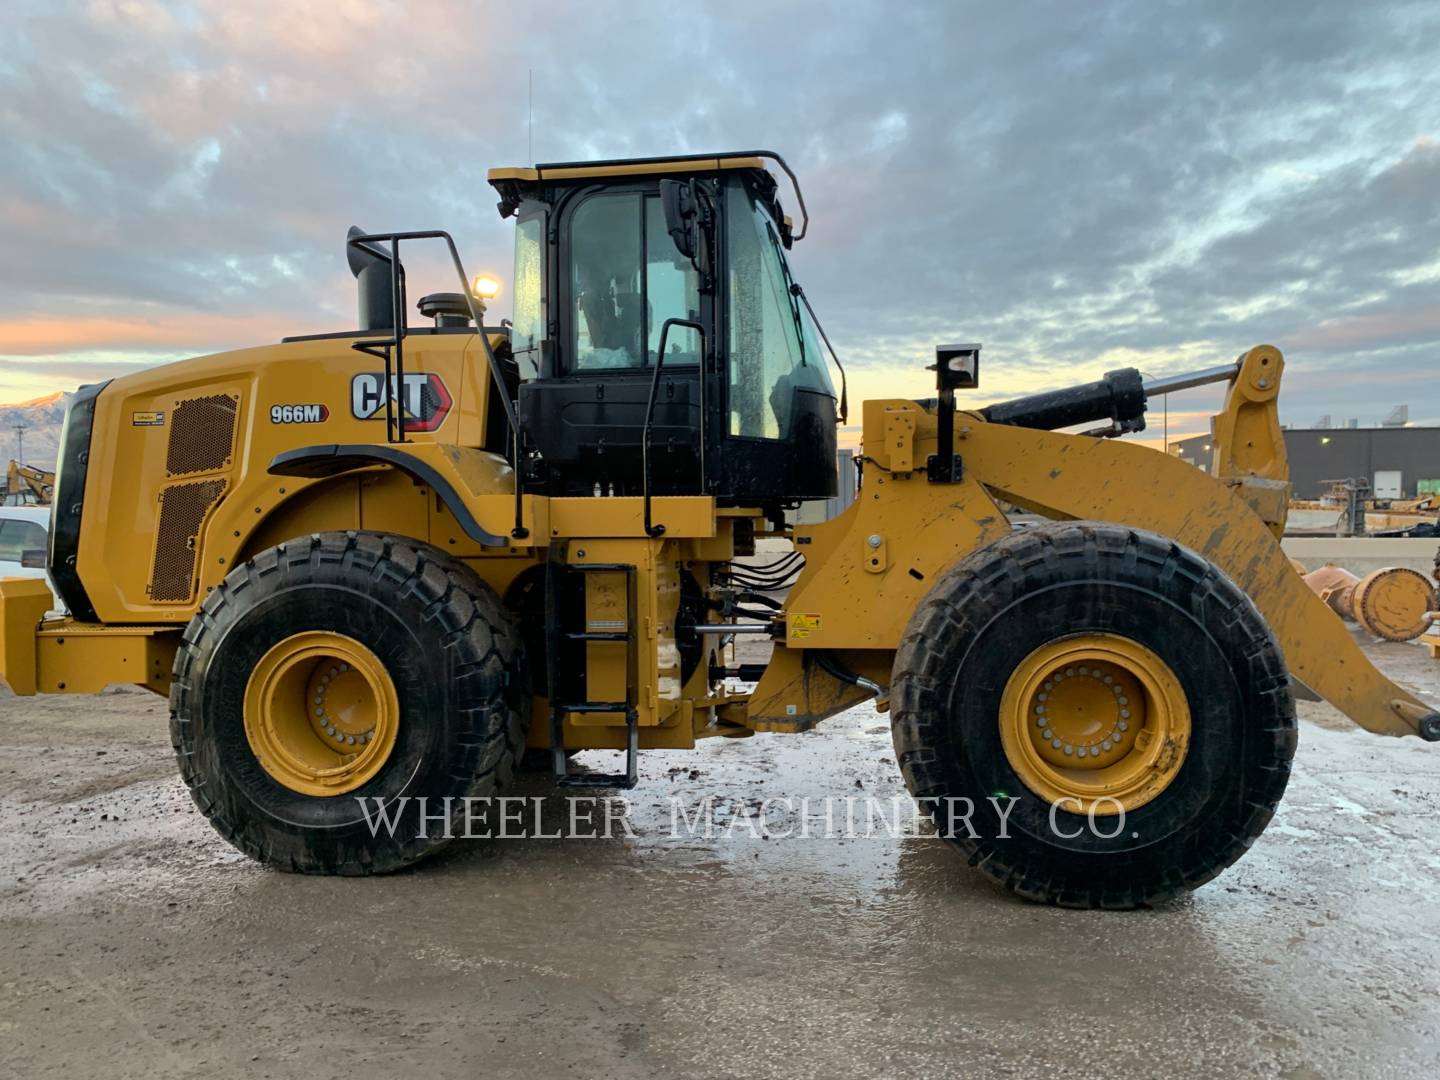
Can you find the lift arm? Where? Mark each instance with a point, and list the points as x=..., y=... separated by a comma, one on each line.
x=1074, y=477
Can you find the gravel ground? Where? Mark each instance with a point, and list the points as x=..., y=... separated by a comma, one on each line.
x=135, y=942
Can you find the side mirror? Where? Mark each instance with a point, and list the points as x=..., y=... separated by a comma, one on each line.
x=682, y=215
x=33, y=558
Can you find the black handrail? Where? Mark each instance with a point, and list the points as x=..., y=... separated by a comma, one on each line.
x=650, y=529
x=519, y=532
x=728, y=156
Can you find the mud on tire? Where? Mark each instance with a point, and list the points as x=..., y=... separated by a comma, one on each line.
x=446, y=642
x=990, y=611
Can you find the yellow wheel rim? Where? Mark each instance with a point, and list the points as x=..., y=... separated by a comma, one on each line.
x=1097, y=720
x=321, y=713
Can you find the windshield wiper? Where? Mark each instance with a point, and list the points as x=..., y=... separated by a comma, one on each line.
x=790, y=288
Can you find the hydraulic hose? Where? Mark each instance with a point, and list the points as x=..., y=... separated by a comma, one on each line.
x=836, y=670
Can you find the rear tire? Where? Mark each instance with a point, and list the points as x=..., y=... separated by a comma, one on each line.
x=443, y=650
x=970, y=640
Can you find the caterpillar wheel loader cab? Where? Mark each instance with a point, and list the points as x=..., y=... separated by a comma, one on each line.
x=371, y=568
x=624, y=276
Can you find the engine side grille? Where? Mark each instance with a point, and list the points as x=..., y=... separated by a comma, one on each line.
x=182, y=509
x=202, y=434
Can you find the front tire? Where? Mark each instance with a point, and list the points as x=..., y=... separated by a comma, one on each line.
x=1091, y=671
x=342, y=672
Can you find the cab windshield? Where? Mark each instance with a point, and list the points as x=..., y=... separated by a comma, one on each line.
x=774, y=348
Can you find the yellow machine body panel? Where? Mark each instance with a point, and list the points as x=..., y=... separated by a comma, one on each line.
x=23, y=603
x=178, y=482
x=54, y=656
x=885, y=551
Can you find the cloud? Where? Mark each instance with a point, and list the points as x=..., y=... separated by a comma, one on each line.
x=1077, y=186
x=65, y=335
x=1371, y=330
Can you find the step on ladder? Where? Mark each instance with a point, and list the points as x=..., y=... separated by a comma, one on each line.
x=561, y=644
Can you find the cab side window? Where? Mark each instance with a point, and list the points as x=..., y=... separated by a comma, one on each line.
x=627, y=278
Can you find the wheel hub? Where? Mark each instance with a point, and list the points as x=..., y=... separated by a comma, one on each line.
x=1087, y=715
x=1097, y=720
x=342, y=707
x=321, y=713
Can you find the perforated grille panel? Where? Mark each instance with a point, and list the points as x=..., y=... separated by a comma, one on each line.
x=202, y=434
x=182, y=509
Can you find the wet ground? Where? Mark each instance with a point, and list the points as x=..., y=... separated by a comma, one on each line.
x=135, y=942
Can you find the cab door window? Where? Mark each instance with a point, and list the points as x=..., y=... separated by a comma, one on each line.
x=672, y=291
x=528, y=321
x=627, y=278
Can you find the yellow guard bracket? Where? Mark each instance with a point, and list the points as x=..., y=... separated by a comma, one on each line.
x=23, y=603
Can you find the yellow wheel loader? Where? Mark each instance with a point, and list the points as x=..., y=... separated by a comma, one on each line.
x=381, y=564
x=25, y=485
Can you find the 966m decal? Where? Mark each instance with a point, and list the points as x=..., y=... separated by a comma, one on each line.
x=299, y=414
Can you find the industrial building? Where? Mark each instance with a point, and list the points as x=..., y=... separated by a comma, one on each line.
x=1397, y=462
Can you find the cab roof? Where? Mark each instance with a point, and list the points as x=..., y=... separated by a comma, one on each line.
x=655, y=166
x=512, y=182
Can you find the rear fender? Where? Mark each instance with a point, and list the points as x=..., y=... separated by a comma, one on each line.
x=455, y=474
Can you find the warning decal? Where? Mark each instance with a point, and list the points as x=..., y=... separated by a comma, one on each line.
x=802, y=626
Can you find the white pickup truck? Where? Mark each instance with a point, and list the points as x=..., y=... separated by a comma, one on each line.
x=24, y=541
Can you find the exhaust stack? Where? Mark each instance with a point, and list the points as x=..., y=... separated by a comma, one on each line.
x=371, y=267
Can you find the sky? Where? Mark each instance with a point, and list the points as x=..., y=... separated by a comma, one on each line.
x=1078, y=186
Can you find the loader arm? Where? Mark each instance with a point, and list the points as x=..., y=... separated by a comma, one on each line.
x=1072, y=476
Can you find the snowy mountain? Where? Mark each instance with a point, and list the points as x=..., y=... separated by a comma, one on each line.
x=41, y=419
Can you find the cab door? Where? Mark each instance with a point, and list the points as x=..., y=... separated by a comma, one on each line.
x=619, y=278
